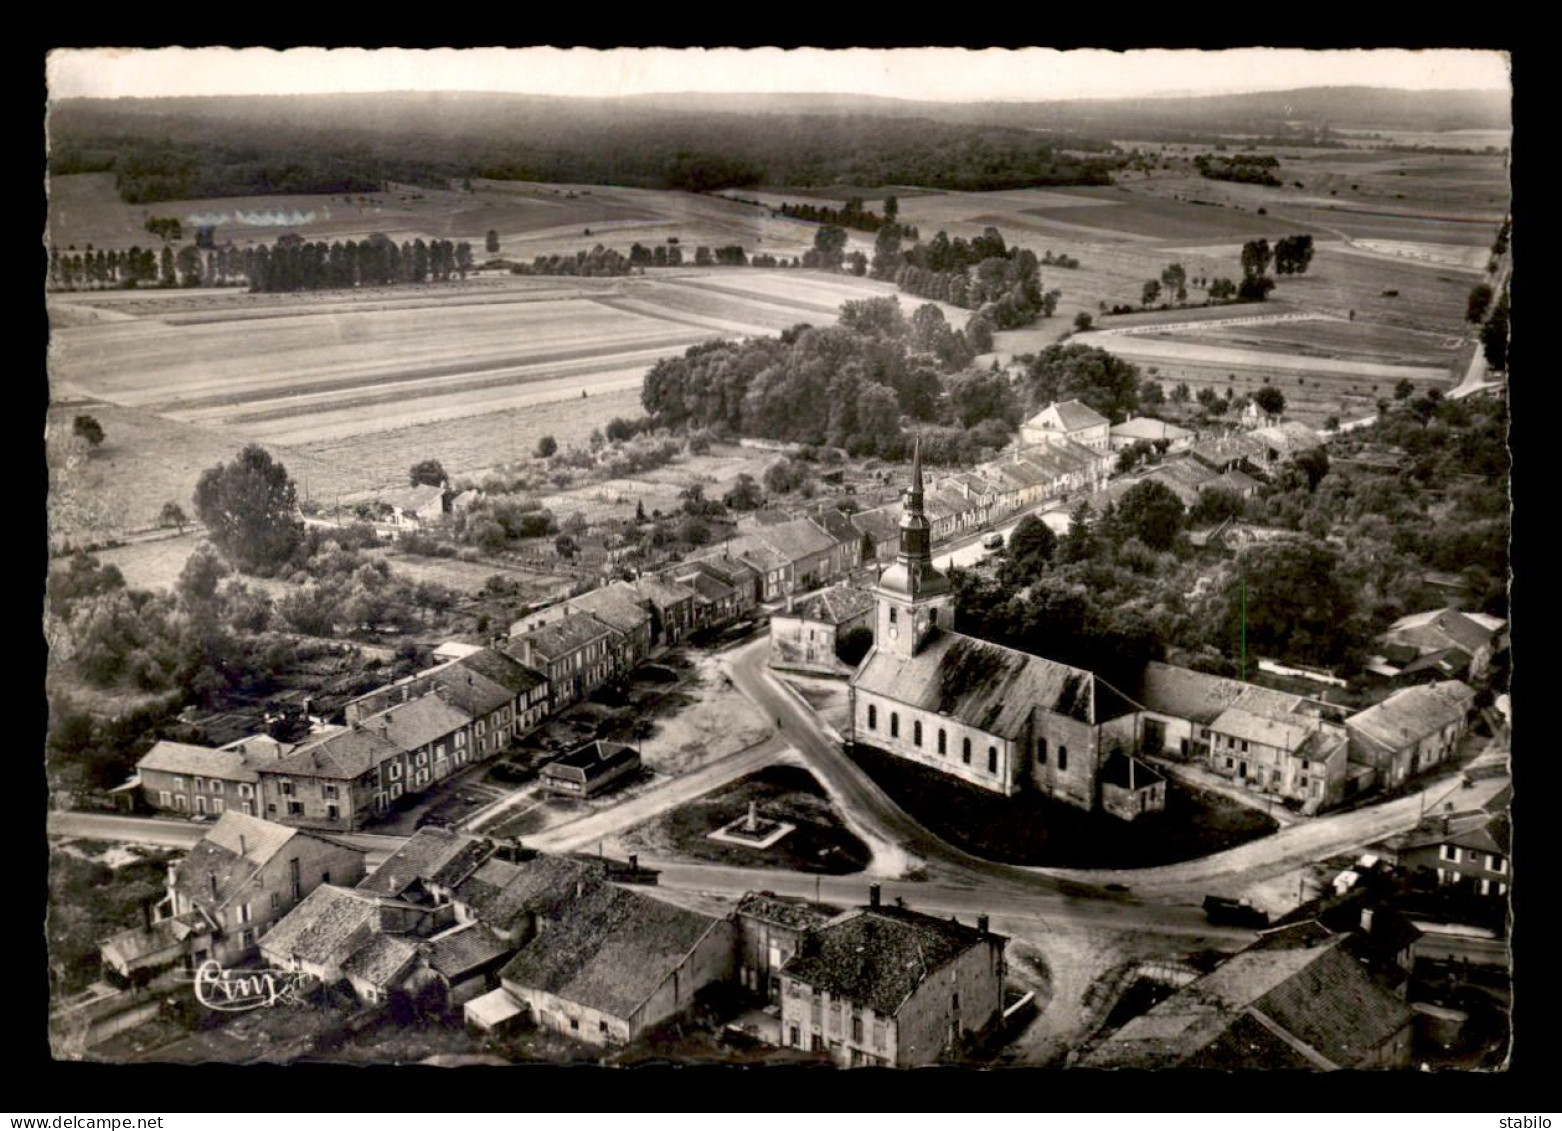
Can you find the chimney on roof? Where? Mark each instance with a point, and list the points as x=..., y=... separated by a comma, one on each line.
x=873, y=894
x=243, y=849
x=634, y=862
x=213, y=878
x=146, y=913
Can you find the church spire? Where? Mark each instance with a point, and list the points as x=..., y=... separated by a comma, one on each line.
x=915, y=501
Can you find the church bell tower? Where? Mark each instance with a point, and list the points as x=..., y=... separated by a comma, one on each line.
x=914, y=598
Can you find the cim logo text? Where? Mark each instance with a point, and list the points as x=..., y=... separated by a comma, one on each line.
x=236, y=991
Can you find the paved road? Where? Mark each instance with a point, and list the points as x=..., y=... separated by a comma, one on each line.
x=173, y=833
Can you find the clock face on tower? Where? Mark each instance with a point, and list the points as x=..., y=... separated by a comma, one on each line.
x=921, y=624
x=894, y=633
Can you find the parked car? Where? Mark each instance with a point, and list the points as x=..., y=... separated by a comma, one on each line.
x=1233, y=912
x=993, y=541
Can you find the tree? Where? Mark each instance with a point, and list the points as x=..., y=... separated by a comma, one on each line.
x=1031, y=547
x=1480, y=301
x=745, y=494
x=492, y=242
x=546, y=447
x=1151, y=512
x=248, y=508
x=429, y=472
x=1256, y=257
x=1221, y=289
x=1083, y=322
x=172, y=514
x=1494, y=337
x=565, y=545
x=1299, y=605
x=1079, y=544
x=1152, y=291
x=1175, y=279
x=1255, y=288
x=196, y=587
x=1404, y=389
x=830, y=245
x=1270, y=400
x=88, y=429
x=853, y=644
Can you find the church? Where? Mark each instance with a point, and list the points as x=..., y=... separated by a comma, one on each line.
x=992, y=716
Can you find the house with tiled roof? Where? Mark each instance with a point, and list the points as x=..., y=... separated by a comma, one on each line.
x=812, y=555
x=340, y=933
x=467, y=959
x=1412, y=730
x=428, y=866
x=721, y=592
x=578, y=654
x=1148, y=430
x=505, y=697
x=235, y=882
x=515, y=898
x=339, y=779
x=411, y=508
x=619, y=606
x=1283, y=746
x=1297, y=998
x=612, y=963
x=671, y=605
x=772, y=568
x=179, y=777
x=1416, y=643
x=1178, y=705
x=589, y=769
x=880, y=531
x=891, y=987
x=1469, y=851
x=1286, y=439
x=838, y=525
x=769, y=928
x=1070, y=420
x=804, y=637
x=994, y=717
x=1229, y=450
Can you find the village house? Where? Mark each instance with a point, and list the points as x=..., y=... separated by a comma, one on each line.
x=1178, y=706
x=805, y=637
x=578, y=654
x=1148, y=430
x=339, y=780
x=504, y=697
x=236, y=881
x=1129, y=788
x=1282, y=746
x=1068, y=420
x=1231, y=451
x=1411, y=730
x=428, y=866
x=1298, y=998
x=1469, y=852
x=813, y=558
x=590, y=769
x=671, y=605
x=848, y=540
x=343, y=934
x=620, y=606
x=1287, y=439
x=880, y=531
x=992, y=716
x=770, y=928
x=516, y=894
x=1018, y=483
x=1440, y=643
x=891, y=987
x=609, y=965
x=177, y=777
x=773, y=569
x=724, y=591
x=412, y=508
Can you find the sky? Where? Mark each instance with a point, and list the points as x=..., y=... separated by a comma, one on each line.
x=937, y=74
